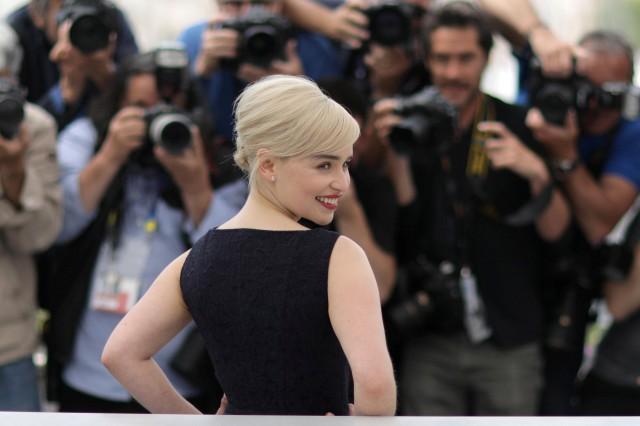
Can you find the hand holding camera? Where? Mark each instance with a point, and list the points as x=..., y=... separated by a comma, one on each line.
x=385, y=118
x=349, y=23
x=14, y=141
x=560, y=142
x=506, y=151
x=190, y=172
x=126, y=134
x=217, y=43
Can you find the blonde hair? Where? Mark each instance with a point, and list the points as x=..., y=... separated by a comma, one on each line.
x=289, y=116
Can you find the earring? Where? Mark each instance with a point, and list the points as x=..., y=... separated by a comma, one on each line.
x=273, y=178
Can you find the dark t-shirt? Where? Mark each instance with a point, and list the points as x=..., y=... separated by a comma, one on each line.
x=506, y=260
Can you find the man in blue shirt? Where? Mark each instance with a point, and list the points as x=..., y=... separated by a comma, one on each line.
x=596, y=158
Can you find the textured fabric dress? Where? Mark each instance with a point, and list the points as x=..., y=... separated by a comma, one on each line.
x=259, y=299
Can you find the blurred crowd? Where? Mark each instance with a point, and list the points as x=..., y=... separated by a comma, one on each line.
x=503, y=237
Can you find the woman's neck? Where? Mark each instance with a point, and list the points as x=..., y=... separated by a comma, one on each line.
x=259, y=212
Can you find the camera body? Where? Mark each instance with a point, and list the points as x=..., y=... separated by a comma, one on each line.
x=92, y=23
x=390, y=22
x=435, y=301
x=169, y=127
x=554, y=97
x=427, y=119
x=171, y=63
x=12, y=100
x=263, y=37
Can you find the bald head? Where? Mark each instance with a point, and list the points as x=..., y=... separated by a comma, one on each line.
x=612, y=57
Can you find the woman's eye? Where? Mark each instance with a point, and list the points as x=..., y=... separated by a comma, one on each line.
x=324, y=166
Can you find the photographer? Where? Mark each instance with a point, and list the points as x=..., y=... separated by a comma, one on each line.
x=85, y=54
x=612, y=387
x=595, y=156
x=137, y=193
x=242, y=43
x=30, y=218
x=37, y=28
x=474, y=173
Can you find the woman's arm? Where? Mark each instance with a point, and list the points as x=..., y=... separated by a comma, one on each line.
x=356, y=317
x=152, y=322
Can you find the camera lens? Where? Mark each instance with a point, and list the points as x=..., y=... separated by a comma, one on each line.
x=172, y=132
x=260, y=45
x=89, y=34
x=390, y=26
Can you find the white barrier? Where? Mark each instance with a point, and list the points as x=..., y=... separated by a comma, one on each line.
x=77, y=419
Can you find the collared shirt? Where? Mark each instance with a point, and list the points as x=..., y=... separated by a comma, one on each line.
x=76, y=147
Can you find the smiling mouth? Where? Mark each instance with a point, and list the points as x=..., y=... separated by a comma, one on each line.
x=330, y=203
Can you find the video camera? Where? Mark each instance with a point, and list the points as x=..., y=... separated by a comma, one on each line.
x=263, y=37
x=92, y=23
x=427, y=119
x=391, y=22
x=554, y=97
x=12, y=101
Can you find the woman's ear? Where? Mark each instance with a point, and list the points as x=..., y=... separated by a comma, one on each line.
x=266, y=164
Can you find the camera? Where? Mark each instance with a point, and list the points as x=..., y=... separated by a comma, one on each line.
x=171, y=63
x=554, y=96
x=434, y=300
x=168, y=127
x=391, y=22
x=92, y=23
x=427, y=118
x=12, y=101
x=263, y=37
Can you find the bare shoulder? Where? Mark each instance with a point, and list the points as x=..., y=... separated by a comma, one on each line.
x=349, y=266
x=347, y=251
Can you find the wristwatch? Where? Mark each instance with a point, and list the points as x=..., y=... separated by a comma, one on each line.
x=562, y=168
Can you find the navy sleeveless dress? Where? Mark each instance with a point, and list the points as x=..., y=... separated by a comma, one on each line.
x=259, y=299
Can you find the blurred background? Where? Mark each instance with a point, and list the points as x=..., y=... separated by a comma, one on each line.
x=157, y=20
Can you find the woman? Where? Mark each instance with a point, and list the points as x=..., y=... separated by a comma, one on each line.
x=282, y=308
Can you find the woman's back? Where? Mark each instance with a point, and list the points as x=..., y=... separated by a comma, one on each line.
x=260, y=300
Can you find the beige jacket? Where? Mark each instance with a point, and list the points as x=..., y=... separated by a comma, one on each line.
x=25, y=231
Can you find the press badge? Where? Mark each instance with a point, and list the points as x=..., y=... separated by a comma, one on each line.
x=476, y=323
x=118, y=283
